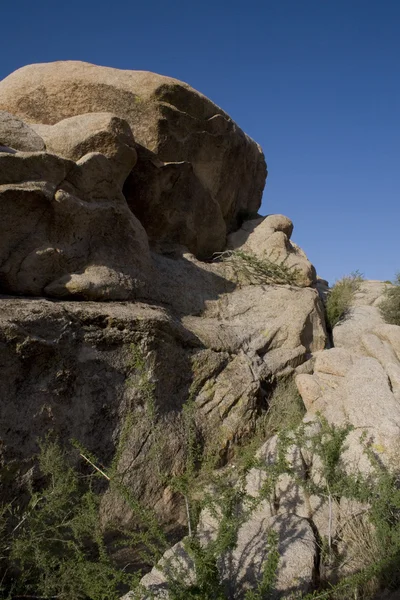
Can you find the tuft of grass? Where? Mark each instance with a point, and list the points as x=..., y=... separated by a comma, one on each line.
x=390, y=306
x=253, y=270
x=341, y=296
x=286, y=408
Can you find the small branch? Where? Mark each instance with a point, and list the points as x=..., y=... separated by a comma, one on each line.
x=188, y=516
x=94, y=466
x=26, y=515
x=330, y=522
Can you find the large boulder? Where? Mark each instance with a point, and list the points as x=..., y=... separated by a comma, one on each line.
x=66, y=229
x=167, y=117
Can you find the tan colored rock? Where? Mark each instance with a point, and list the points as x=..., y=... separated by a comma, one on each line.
x=361, y=320
x=379, y=349
x=370, y=293
x=242, y=568
x=391, y=333
x=18, y=135
x=263, y=319
x=61, y=239
x=30, y=167
x=167, y=116
x=227, y=403
x=270, y=239
x=370, y=402
x=309, y=389
x=335, y=361
x=94, y=132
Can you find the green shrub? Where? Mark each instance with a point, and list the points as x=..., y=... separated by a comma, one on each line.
x=54, y=547
x=390, y=306
x=341, y=296
x=252, y=270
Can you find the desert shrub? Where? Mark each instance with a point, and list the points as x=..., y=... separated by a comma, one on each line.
x=253, y=270
x=340, y=298
x=390, y=306
x=372, y=537
x=54, y=547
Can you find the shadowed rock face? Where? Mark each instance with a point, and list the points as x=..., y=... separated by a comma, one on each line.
x=169, y=118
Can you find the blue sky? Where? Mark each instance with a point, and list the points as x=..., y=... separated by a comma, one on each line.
x=315, y=82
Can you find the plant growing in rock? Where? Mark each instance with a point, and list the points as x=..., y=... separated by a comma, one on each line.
x=372, y=539
x=390, y=306
x=340, y=298
x=253, y=270
x=54, y=547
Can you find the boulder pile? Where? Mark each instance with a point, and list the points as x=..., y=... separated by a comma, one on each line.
x=129, y=227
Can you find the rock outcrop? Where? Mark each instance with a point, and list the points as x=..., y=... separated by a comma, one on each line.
x=352, y=388
x=200, y=150
x=77, y=213
x=117, y=188
x=269, y=238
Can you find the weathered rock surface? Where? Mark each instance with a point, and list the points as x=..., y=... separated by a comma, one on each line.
x=66, y=227
x=270, y=238
x=18, y=135
x=130, y=158
x=104, y=133
x=167, y=117
x=222, y=370
x=241, y=569
x=358, y=381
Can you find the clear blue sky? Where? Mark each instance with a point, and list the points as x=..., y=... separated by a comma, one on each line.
x=315, y=82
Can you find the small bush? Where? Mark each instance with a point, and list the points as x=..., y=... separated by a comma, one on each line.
x=285, y=408
x=253, y=270
x=390, y=306
x=341, y=296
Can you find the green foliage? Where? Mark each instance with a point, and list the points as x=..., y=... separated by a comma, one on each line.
x=341, y=296
x=374, y=546
x=390, y=306
x=54, y=547
x=252, y=270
